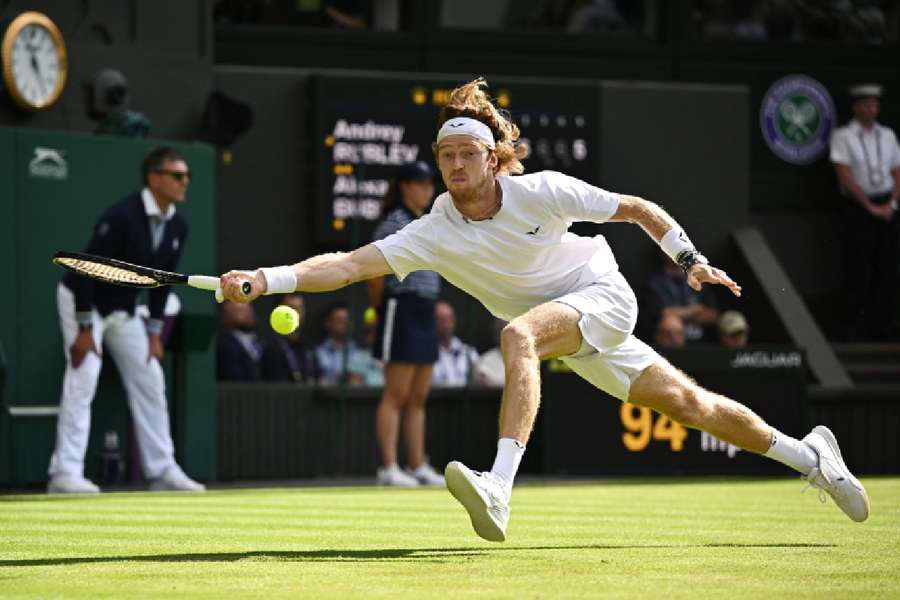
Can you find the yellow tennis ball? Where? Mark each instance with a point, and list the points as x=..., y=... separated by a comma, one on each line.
x=370, y=317
x=284, y=319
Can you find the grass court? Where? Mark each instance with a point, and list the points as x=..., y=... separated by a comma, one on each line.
x=672, y=538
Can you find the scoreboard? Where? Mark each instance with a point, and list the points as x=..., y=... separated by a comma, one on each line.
x=367, y=125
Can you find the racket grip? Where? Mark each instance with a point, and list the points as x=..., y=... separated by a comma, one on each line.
x=204, y=282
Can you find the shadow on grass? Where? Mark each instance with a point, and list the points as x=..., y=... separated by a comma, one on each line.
x=403, y=554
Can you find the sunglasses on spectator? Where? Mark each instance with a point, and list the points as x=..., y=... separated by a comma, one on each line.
x=178, y=176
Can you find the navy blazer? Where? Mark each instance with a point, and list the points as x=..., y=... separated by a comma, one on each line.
x=123, y=232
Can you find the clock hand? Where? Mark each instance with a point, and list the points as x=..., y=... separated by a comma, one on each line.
x=43, y=87
x=36, y=67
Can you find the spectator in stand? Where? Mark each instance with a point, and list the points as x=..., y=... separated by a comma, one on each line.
x=337, y=346
x=287, y=357
x=238, y=349
x=364, y=368
x=734, y=331
x=490, y=370
x=667, y=293
x=455, y=359
x=669, y=332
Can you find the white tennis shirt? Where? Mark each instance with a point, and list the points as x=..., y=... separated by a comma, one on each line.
x=522, y=256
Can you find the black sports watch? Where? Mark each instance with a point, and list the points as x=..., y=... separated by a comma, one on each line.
x=689, y=258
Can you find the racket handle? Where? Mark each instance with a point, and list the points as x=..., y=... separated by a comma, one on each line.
x=205, y=282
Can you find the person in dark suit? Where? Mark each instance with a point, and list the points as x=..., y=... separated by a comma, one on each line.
x=286, y=357
x=143, y=228
x=238, y=349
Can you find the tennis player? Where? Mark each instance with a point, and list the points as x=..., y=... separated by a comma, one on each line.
x=505, y=241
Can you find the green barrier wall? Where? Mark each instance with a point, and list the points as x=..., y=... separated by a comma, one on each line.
x=8, y=272
x=53, y=186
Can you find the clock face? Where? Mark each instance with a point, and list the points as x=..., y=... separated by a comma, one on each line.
x=34, y=61
x=35, y=64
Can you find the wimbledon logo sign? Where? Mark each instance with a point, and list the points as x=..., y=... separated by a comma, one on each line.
x=796, y=118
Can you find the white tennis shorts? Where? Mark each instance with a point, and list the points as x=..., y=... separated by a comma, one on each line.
x=610, y=357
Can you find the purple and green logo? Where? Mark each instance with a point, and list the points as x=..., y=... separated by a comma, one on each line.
x=796, y=118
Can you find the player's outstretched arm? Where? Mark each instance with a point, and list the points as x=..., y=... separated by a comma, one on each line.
x=666, y=232
x=322, y=273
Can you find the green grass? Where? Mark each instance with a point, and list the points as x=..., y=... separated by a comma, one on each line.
x=619, y=539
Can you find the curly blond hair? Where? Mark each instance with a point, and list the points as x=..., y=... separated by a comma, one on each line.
x=470, y=100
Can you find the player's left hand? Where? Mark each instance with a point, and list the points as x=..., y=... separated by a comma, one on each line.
x=156, y=347
x=700, y=274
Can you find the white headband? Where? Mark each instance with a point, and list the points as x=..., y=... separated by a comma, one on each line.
x=467, y=126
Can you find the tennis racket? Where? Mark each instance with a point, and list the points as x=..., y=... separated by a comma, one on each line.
x=118, y=272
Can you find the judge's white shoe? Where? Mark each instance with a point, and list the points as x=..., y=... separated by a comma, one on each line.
x=483, y=496
x=426, y=475
x=393, y=476
x=69, y=484
x=175, y=480
x=831, y=475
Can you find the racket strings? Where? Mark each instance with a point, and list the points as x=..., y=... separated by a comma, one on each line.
x=106, y=273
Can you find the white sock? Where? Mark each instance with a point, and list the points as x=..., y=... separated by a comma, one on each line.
x=509, y=455
x=792, y=452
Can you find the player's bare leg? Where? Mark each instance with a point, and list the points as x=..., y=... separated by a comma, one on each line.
x=667, y=390
x=817, y=457
x=546, y=331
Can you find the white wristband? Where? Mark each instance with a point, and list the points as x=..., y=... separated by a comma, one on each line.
x=280, y=280
x=675, y=242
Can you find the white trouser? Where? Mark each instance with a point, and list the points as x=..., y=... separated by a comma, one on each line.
x=126, y=339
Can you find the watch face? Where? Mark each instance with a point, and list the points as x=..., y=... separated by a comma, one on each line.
x=34, y=61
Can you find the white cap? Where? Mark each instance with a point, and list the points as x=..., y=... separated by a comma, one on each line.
x=865, y=90
x=732, y=321
x=467, y=126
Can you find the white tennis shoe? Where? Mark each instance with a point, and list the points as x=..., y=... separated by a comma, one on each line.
x=66, y=484
x=394, y=476
x=175, y=480
x=426, y=475
x=832, y=476
x=483, y=496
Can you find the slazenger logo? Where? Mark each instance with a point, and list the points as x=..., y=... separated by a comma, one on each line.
x=48, y=164
x=796, y=118
x=767, y=360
